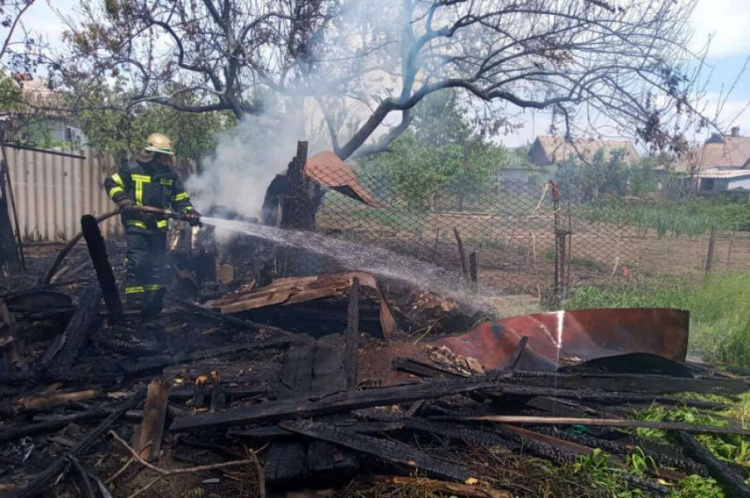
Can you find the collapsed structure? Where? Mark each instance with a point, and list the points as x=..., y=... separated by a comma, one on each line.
x=308, y=381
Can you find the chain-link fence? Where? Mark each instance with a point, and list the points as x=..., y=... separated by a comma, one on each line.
x=535, y=237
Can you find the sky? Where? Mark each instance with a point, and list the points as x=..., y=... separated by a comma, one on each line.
x=726, y=22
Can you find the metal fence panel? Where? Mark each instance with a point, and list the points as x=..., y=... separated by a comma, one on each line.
x=53, y=191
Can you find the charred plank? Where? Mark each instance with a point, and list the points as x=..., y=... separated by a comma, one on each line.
x=104, y=273
x=161, y=361
x=385, y=450
x=733, y=484
x=335, y=403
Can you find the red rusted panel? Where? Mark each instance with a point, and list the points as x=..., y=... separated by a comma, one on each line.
x=577, y=334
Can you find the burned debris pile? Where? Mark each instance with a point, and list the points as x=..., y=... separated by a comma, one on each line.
x=320, y=381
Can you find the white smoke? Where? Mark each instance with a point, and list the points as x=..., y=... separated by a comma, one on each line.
x=245, y=161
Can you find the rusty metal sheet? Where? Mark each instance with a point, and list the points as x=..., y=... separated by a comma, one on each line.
x=553, y=339
x=330, y=171
x=575, y=335
x=295, y=290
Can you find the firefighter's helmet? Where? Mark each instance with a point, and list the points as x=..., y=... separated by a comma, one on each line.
x=159, y=143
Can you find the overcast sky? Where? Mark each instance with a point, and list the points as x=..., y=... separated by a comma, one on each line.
x=728, y=21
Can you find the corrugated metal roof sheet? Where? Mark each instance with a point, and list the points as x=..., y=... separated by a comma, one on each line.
x=724, y=173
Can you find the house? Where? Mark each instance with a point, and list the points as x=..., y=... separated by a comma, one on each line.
x=721, y=164
x=718, y=152
x=49, y=125
x=725, y=180
x=547, y=150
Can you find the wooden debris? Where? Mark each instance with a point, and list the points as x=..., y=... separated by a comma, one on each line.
x=461, y=254
x=104, y=273
x=733, y=484
x=522, y=419
x=385, y=450
x=54, y=398
x=335, y=403
x=351, y=337
x=77, y=330
x=154, y=416
x=297, y=290
x=40, y=481
x=159, y=362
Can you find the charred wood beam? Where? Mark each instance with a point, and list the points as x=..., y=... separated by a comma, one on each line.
x=562, y=454
x=60, y=465
x=159, y=362
x=276, y=432
x=602, y=422
x=54, y=398
x=733, y=484
x=607, y=397
x=104, y=273
x=50, y=425
x=351, y=337
x=59, y=357
x=630, y=382
x=334, y=403
x=65, y=250
x=389, y=451
x=461, y=254
x=423, y=369
x=229, y=320
x=662, y=458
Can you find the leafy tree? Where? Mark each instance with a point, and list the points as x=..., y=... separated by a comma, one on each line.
x=441, y=155
x=122, y=132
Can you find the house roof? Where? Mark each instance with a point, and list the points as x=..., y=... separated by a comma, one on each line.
x=724, y=173
x=557, y=149
x=36, y=91
x=728, y=151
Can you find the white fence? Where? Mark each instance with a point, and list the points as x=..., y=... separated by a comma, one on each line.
x=53, y=190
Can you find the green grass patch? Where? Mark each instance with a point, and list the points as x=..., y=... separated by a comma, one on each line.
x=719, y=310
x=688, y=217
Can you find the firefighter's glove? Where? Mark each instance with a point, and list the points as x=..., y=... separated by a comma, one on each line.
x=125, y=205
x=194, y=218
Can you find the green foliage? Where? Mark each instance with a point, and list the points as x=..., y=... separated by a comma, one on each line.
x=719, y=311
x=604, y=478
x=732, y=448
x=439, y=156
x=688, y=217
x=10, y=95
x=697, y=487
x=109, y=126
x=603, y=178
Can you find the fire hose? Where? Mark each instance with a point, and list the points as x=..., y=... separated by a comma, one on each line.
x=77, y=237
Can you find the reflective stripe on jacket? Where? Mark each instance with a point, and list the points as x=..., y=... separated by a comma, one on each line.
x=147, y=184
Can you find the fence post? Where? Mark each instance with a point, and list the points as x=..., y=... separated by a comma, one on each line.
x=461, y=254
x=473, y=270
x=561, y=249
x=11, y=259
x=711, y=246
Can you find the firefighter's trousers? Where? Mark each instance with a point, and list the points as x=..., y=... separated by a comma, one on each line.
x=145, y=270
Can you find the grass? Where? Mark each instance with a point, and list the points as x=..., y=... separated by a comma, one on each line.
x=719, y=311
x=688, y=217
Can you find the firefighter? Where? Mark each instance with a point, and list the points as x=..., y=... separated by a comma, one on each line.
x=148, y=181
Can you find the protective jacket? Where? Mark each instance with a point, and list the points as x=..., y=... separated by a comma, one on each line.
x=147, y=184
